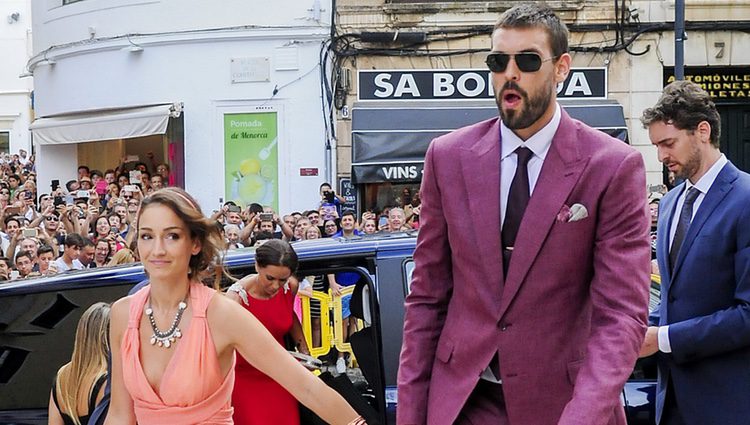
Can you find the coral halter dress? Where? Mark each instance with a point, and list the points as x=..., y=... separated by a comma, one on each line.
x=192, y=390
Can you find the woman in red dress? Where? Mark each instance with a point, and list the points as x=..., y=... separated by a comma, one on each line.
x=269, y=295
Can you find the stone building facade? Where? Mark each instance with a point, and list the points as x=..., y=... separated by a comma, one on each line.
x=396, y=48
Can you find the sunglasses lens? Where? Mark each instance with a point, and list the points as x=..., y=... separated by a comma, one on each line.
x=497, y=62
x=528, y=62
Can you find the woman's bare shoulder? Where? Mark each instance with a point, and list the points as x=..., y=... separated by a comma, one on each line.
x=120, y=311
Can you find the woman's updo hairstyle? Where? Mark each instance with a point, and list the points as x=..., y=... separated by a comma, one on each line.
x=275, y=252
x=201, y=228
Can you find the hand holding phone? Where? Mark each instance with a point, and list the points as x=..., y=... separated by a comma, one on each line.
x=135, y=177
x=266, y=217
x=30, y=233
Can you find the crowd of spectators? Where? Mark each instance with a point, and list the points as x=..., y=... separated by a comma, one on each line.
x=254, y=224
x=83, y=223
x=88, y=222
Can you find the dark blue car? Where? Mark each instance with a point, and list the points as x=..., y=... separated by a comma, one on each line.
x=38, y=319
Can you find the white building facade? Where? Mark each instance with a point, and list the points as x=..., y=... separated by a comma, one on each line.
x=227, y=94
x=15, y=90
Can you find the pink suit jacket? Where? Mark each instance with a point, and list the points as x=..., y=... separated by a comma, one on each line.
x=570, y=318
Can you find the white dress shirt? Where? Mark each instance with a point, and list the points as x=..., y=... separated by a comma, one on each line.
x=702, y=185
x=539, y=144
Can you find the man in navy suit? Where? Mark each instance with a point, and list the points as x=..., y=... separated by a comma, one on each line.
x=701, y=330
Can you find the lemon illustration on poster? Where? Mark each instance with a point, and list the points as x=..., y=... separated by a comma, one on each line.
x=251, y=158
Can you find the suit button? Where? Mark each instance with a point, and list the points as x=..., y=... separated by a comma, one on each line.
x=504, y=326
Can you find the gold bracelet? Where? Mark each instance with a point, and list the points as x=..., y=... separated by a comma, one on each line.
x=359, y=420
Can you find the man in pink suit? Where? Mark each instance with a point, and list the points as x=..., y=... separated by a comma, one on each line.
x=543, y=328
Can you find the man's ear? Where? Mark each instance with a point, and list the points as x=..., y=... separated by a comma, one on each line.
x=562, y=67
x=704, y=131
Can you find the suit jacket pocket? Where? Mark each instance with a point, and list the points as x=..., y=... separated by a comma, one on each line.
x=573, y=368
x=444, y=350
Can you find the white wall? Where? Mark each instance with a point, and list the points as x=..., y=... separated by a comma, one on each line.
x=15, y=45
x=193, y=68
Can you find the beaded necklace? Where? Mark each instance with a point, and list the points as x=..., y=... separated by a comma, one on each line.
x=166, y=339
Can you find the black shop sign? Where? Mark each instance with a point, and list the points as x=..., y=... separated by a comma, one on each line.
x=725, y=84
x=465, y=84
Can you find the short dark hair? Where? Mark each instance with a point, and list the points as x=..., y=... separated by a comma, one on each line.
x=69, y=184
x=276, y=252
x=87, y=242
x=348, y=212
x=322, y=185
x=14, y=176
x=85, y=167
x=11, y=218
x=685, y=105
x=5, y=260
x=109, y=171
x=255, y=208
x=44, y=249
x=26, y=254
x=95, y=173
x=74, y=239
x=126, y=175
x=535, y=15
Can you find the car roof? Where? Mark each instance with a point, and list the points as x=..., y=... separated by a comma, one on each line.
x=331, y=250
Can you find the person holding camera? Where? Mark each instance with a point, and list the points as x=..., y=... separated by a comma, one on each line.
x=330, y=202
x=266, y=221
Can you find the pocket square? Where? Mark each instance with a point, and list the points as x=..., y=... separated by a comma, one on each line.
x=569, y=214
x=577, y=212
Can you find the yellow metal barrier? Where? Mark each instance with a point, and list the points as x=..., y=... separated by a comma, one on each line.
x=331, y=334
x=325, y=320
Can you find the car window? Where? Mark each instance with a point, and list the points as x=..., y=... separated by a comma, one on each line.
x=408, y=272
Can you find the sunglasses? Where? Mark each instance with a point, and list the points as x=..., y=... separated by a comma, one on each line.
x=525, y=61
x=52, y=218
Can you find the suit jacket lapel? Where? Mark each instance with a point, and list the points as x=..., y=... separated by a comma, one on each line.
x=561, y=170
x=480, y=163
x=667, y=211
x=712, y=199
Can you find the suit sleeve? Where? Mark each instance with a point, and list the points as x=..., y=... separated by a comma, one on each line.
x=619, y=296
x=725, y=330
x=427, y=303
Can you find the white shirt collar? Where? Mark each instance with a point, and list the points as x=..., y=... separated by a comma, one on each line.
x=539, y=143
x=704, y=183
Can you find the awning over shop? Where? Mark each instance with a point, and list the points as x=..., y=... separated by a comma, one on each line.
x=106, y=124
x=389, y=139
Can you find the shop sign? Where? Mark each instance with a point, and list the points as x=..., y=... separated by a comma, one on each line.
x=388, y=172
x=465, y=84
x=725, y=84
x=349, y=192
x=251, y=158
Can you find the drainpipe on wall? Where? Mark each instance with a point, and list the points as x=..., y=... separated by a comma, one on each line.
x=679, y=39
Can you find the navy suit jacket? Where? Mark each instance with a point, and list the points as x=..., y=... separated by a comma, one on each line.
x=706, y=303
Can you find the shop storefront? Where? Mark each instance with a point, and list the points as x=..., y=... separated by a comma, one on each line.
x=400, y=112
x=730, y=89
x=101, y=139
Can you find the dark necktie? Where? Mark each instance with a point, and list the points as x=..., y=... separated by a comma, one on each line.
x=518, y=198
x=686, y=216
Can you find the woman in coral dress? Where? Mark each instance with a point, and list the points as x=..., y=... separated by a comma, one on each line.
x=174, y=341
x=269, y=295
